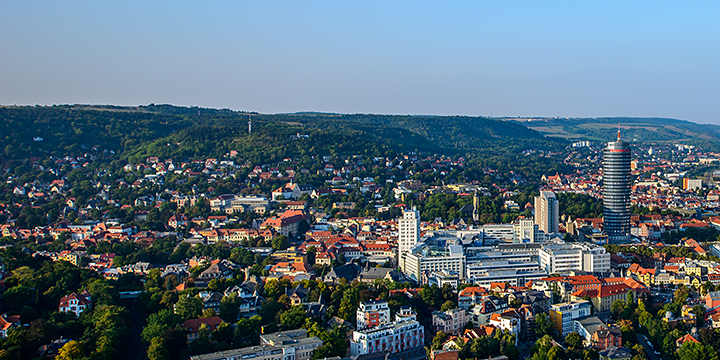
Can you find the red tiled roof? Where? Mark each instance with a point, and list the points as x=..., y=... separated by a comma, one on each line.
x=193, y=325
x=64, y=302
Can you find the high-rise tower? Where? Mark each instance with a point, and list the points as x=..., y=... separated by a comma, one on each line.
x=616, y=190
x=547, y=212
x=408, y=233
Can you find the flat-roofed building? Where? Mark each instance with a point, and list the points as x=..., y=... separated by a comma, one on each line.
x=547, y=212
x=372, y=313
x=403, y=334
x=563, y=258
x=284, y=345
x=424, y=259
x=563, y=314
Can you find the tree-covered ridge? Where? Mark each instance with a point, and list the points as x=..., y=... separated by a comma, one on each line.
x=454, y=132
x=639, y=129
x=74, y=130
x=65, y=131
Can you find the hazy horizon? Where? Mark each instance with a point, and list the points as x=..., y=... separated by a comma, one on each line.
x=521, y=59
x=361, y=113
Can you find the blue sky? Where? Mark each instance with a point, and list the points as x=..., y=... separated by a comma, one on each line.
x=508, y=58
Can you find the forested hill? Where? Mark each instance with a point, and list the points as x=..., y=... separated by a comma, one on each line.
x=641, y=129
x=186, y=132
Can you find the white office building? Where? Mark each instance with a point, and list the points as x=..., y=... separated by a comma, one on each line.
x=527, y=231
x=511, y=276
x=494, y=234
x=408, y=233
x=424, y=259
x=563, y=258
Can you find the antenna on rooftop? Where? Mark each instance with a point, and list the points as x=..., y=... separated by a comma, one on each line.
x=618, y=132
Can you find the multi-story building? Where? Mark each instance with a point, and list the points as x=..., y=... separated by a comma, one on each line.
x=425, y=259
x=451, y=321
x=527, y=231
x=408, y=233
x=692, y=184
x=616, y=190
x=285, y=345
x=563, y=314
x=547, y=212
x=514, y=277
x=443, y=277
x=481, y=268
x=403, y=334
x=470, y=296
x=372, y=313
x=603, y=297
x=562, y=258
x=288, y=223
x=510, y=320
x=494, y=234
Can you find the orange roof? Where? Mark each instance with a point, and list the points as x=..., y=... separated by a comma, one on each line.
x=64, y=302
x=446, y=355
x=193, y=325
x=685, y=338
x=472, y=290
x=609, y=290
x=500, y=285
x=583, y=279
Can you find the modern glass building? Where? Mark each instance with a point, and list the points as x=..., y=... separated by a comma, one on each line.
x=616, y=190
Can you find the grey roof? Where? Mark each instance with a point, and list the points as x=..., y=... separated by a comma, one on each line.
x=300, y=291
x=283, y=337
x=347, y=271
x=591, y=323
x=375, y=273
x=613, y=352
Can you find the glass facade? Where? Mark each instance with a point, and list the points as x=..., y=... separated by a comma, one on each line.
x=616, y=190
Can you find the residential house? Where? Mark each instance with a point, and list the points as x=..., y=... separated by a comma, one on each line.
x=75, y=303
x=712, y=299
x=298, y=295
x=451, y=322
x=218, y=270
x=615, y=353
x=509, y=320
x=193, y=326
x=470, y=296
x=683, y=339
x=8, y=322
x=211, y=300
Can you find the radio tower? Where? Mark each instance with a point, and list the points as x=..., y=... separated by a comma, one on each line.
x=249, y=125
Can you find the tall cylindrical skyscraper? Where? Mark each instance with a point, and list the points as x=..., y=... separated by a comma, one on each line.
x=616, y=190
